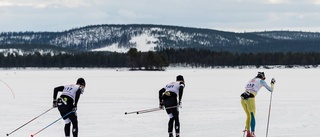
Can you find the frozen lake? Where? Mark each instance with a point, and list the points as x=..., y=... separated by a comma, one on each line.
x=211, y=102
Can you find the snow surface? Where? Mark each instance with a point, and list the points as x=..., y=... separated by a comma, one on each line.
x=211, y=102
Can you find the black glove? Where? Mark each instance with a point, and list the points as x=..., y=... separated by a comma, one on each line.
x=161, y=105
x=74, y=109
x=273, y=81
x=180, y=105
x=54, y=104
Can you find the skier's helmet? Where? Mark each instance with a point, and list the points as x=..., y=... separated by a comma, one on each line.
x=261, y=75
x=180, y=78
x=81, y=82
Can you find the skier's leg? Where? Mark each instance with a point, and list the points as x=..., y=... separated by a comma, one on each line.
x=74, y=121
x=253, y=122
x=63, y=110
x=169, y=102
x=244, y=104
x=252, y=110
x=170, y=124
x=175, y=114
x=67, y=127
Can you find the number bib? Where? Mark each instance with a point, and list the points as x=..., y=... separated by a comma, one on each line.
x=70, y=90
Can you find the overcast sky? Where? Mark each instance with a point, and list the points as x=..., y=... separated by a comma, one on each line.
x=226, y=15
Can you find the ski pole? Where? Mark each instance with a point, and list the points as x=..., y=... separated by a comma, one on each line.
x=272, y=85
x=156, y=110
x=29, y=121
x=144, y=110
x=152, y=110
x=244, y=131
x=9, y=88
x=32, y=135
x=148, y=110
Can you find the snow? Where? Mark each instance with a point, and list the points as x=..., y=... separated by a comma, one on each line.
x=10, y=51
x=113, y=48
x=143, y=43
x=211, y=102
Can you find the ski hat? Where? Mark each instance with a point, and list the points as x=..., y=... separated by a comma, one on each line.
x=81, y=82
x=180, y=78
x=261, y=75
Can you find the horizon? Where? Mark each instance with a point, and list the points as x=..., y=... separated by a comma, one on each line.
x=164, y=25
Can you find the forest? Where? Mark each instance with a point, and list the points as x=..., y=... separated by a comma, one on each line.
x=159, y=60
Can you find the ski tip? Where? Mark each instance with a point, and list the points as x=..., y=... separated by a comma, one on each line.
x=137, y=112
x=31, y=135
x=7, y=134
x=125, y=113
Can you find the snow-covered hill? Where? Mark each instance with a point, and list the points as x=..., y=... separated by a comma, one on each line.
x=120, y=38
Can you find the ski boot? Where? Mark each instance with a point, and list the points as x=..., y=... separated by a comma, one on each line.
x=252, y=134
x=248, y=133
x=170, y=135
x=178, y=135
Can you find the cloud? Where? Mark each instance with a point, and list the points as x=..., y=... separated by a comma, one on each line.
x=316, y=2
x=293, y=1
x=5, y=3
x=48, y=15
x=133, y=15
x=43, y=3
x=278, y=1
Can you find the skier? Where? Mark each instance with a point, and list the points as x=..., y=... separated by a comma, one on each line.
x=67, y=102
x=248, y=100
x=170, y=97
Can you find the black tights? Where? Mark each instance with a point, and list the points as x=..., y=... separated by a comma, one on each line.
x=74, y=122
x=64, y=110
x=174, y=120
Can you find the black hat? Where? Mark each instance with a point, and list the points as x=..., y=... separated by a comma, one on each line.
x=81, y=81
x=180, y=78
x=261, y=75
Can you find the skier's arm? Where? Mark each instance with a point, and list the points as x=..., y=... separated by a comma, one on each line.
x=181, y=91
x=56, y=90
x=160, y=94
x=76, y=99
x=264, y=83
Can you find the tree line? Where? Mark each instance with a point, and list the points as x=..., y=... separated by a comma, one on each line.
x=159, y=60
x=207, y=58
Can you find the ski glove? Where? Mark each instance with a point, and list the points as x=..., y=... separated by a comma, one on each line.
x=54, y=104
x=161, y=105
x=273, y=81
x=180, y=105
x=74, y=109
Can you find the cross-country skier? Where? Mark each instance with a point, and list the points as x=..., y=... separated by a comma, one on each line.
x=67, y=102
x=170, y=96
x=248, y=100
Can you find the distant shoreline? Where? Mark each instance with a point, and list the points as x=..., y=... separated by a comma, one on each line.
x=167, y=68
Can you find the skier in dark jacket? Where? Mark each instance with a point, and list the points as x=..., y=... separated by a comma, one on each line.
x=170, y=97
x=67, y=102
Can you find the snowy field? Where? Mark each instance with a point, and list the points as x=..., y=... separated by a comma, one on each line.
x=211, y=102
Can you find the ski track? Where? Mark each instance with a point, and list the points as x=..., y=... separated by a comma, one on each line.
x=210, y=107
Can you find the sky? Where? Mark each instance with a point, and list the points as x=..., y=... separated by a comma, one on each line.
x=225, y=15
